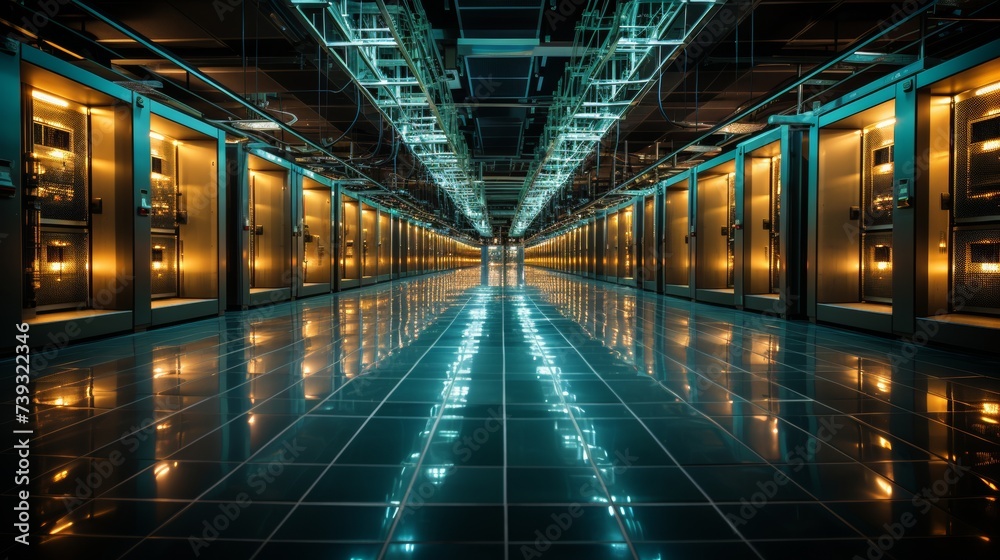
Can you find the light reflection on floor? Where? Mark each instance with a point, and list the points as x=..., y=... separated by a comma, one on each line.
x=505, y=412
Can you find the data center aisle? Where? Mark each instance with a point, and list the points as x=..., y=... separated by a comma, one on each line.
x=514, y=414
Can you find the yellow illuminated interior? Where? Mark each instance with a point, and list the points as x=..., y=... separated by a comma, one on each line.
x=988, y=89
x=49, y=98
x=157, y=258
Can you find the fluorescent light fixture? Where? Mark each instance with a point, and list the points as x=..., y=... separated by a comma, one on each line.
x=403, y=80
x=878, y=125
x=261, y=124
x=42, y=96
x=702, y=149
x=618, y=57
x=742, y=128
x=988, y=89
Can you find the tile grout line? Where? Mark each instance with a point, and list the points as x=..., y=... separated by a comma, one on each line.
x=201, y=402
x=271, y=441
x=180, y=412
x=192, y=442
x=821, y=503
x=237, y=365
x=579, y=434
x=423, y=452
x=503, y=412
x=353, y=437
x=665, y=450
x=807, y=433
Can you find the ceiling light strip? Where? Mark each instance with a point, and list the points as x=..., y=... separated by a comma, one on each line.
x=606, y=77
x=389, y=54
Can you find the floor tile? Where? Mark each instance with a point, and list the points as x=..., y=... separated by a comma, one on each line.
x=441, y=417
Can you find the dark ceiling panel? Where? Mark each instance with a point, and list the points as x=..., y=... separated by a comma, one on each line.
x=516, y=23
x=499, y=66
x=498, y=4
x=498, y=77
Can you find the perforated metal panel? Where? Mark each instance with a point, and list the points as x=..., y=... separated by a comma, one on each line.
x=64, y=275
x=977, y=154
x=252, y=239
x=163, y=266
x=731, y=241
x=877, y=175
x=775, y=216
x=59, y=145
x=876, y=267
x=976, y=271
x=163, y=180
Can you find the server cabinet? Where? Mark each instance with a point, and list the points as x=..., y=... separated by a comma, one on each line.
x=853, y=168
x=187, y=228
x=676, y=235
x=715, y=221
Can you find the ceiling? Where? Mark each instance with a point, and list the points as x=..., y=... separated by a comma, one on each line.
x=502, y=61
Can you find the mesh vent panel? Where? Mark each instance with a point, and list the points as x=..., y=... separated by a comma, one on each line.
x=877, y=176
x=976, y=271
x=977, y=156
x=59, y=142
x=164, y=184
x=876, y=269
x=775, y=224
x=64, y=274
x=731, y=242
x=164, y=266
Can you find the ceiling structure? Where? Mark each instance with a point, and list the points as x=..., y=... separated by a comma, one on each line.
x=459, y=110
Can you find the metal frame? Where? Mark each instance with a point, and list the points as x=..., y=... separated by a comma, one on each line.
x=616, y=59
x=390, y=56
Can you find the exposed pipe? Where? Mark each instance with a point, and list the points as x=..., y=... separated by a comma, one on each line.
x=167, y=55
x=800, y=92
x=860, y=45
x=756, y=106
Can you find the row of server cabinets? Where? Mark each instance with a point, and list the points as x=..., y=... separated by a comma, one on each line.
x=879, y=211
x=122, y=212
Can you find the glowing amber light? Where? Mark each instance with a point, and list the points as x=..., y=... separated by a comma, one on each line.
x=42, y=96
x=157, y=257
x=161, y=470
x=882, y=385
x=988, y=89
x=60, y=528
x=884, y=486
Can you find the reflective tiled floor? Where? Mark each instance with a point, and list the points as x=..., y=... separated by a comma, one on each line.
x=516, y=415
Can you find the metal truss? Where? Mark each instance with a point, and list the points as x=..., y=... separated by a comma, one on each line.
x=390, y=55
x=616, y=59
